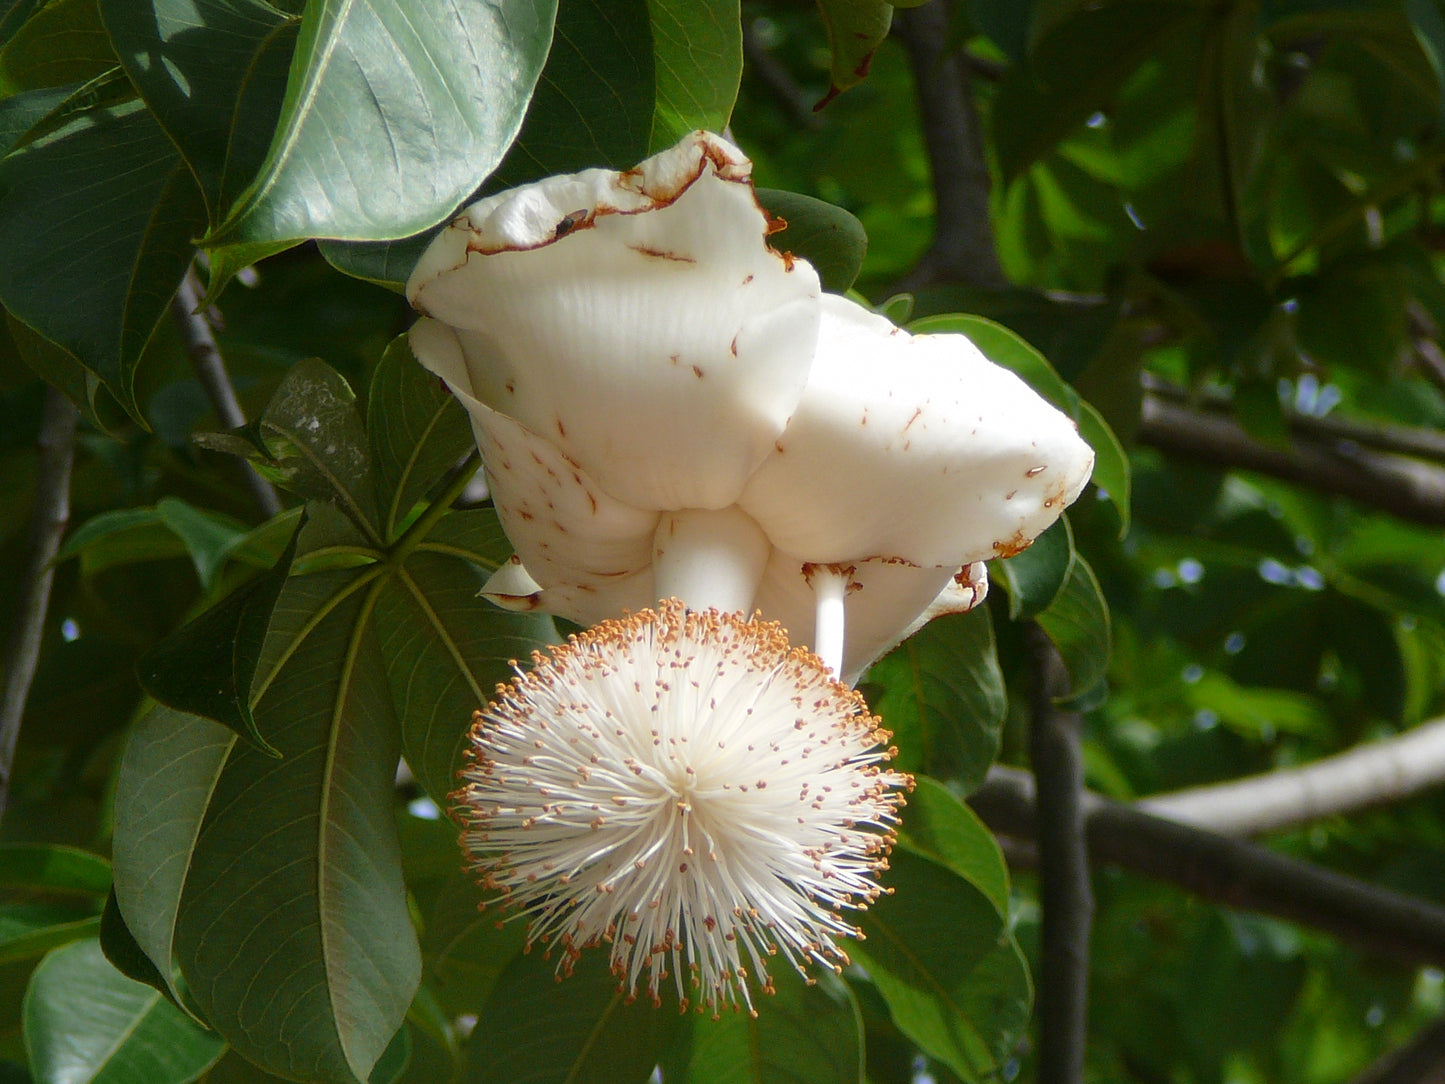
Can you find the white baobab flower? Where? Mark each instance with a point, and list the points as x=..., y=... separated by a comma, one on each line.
x=671, y=414
x=688, y=788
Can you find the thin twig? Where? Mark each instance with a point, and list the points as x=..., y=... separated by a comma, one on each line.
x=1366, y=776
x=210, y=367
x=1420, y=1061
x=48, y=521
x=963, y=243
x=1232, y=872
x=1065, y=894
x=1403, y=487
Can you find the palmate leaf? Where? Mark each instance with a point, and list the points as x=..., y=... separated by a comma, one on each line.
x=391, y=117
x=85, y=1021
x=275, y=885
x=303, y=850
x=803, y=1034
x=624, y=78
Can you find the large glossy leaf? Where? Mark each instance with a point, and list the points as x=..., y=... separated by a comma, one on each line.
x=192, y=60
x=392, y=116
x=924, y=943
x=1004, y=347
x=417, y=430
x=537, y=1030
x=943, y=697
x=697, y=49
x=803, y=1034
x=167, y=775
x=96, y=221
x=303, y=850
x=624, y=78
x=86, y=1022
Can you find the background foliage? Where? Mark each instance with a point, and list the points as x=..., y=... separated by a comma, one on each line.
x=1227, y=210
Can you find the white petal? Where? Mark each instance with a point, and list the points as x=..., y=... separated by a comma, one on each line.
x=512, y=588
x=885, y=605
x=638, y=320
x=566, y=530
x=913, y=447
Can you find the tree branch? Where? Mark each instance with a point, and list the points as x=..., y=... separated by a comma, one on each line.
x=1402, y=487
x=1065, y=894
x=963, y=244
x=48, y=521
x=1231, y=872
x=1397, y=439
x=210, y=369
x=1420, y=1061
x=1368, y=775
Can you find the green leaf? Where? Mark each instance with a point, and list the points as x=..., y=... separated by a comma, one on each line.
x=306, y=846
x=697, y=49
x=828, y=237
x=939, y=826
x=1034, y=577
x=540, y=1031
x=62, y=43
x=417, y=430
x=1078, y=623
x=85, y=1021
x=208, y=537
x=167, y=775
x=806, y=1033
x=445, y=650
x=21, y=112
x=191, y=61
x=374, y=91
x=208, y=665
x=925, y=977
x=855, y=30
x=124, y=951
x=605, y=98
x=27, y=933
x=51, y=868
x=467, y=949
x=943, y=697
x=96, y=221
x=312, y=440
x=1004, y=347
